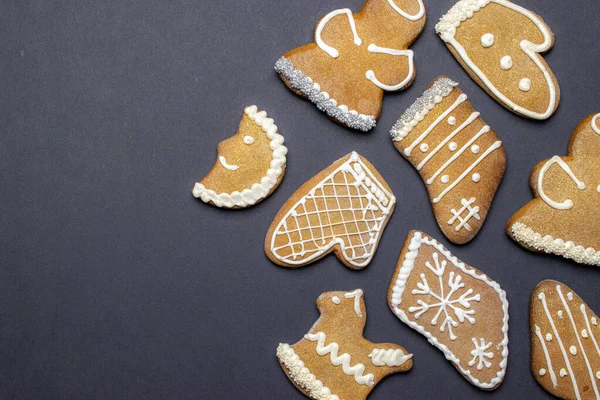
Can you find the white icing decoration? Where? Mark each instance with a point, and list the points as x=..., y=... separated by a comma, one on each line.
x=259, y=190
x=445, y=179
x=336, y=300
x=570, y=295
x=400, y=285
x=410, y=17
x=593, y=321
x=525, y=84
x=474, y=149
x=584, y=334
x=563, y=373
x=589, y=329
x=453, y=146
x=356, y=294
x=225, y=165
x=375, y=197
x=598, y=374
x=542, y=372
x=302, y=375
x=248, y=140
x=344, y=359
x=452, y=120
x=598, y=189
x=506, y=63
x=476, y=177
x=472, y=212
x=549, y=337
x=573, y=350
x=560, y=314
x=480, y=355
x=538, y=333
x=389, y=357
x=411, y=68
x=567, y=204
x=325, y=47
x=424, y=147
x=465, y=9
x=487, y=40
x=596, y=129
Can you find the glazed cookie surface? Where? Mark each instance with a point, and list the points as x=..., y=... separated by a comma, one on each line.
x=334, y=361
x=564, y=217
x=355, y=58
x=499, y=44
x=456, y=307
x=459, y=157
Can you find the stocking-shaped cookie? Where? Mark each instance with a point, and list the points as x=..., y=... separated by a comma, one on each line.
x=499, y=44
x=564, y=217
x=459, y=157
x=565, y=356
x=343, y=209
x=355, y=58
x=456, y=307
x=334, y=361
x=249, y=167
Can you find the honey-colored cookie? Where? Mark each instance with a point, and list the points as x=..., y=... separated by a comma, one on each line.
x=459, y=157
x=564, y=217
x=343, y=209
x=456, y=307
x=334, y=360
x=249, y=167
x=355, y=58
x=565, y=357
x=499, y=44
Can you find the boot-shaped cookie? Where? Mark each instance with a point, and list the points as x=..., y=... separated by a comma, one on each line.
x=355, y=58
x=334, y=361
x=459, y=157
x=343, y=209
x=499, y=44
x=249, y=167
x=565, y=357
x=564, y=217
x=456, y=307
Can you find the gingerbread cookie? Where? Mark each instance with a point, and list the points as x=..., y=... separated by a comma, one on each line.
x=565, y=356
x=334, y=361
x=355, y=58
x=249, y=167
x=564, y=217
x=459, y=157
x=499, y=44
x=343, y=209
x=456, y=307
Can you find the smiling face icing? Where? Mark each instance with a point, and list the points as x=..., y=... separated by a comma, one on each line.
x=249, y=166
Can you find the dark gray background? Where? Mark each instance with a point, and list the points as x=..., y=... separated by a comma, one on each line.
x=116, y=283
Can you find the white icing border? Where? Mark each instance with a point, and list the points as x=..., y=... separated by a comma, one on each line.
x=465, y=9
x=594, y=124
x=400, y=285
x=548, y=244
x=258, y=191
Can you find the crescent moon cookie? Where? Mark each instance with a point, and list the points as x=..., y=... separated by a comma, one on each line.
x=499, y=44
x=564, y=217
x=459, y=157
x=565, y=356
x=343, y=209
x=355, y=58
x=334, y=360
x=249, y=167
x=456, y=307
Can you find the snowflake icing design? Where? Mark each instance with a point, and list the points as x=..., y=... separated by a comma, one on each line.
x=479, y=353
x=453, y=309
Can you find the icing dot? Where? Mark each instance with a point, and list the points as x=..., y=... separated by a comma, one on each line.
x=573, y=350
x=525, y=85
x=563, y=372
x=451, y=121
x=560, y=313
x=445, y=179
x=593, y=320
x=548, y=337
x=336, y=300
x=598, y=189
x=584, y=334
x=570, y=295
x=598, y=374
x=542, y=372
x=506, y=63
x=452, y=146
x=424, y=147
x=487, y=40
x=248, y=139
x=476, y=177
x=475, y=149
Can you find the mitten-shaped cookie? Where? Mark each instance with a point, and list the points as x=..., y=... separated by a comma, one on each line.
x=459, y=157
x=249, y=167
x=564, y=217
x=355, y=58
x=565, y=357
x=334, y=361
x=499, y=44
x=456, y=307
x=343, y=209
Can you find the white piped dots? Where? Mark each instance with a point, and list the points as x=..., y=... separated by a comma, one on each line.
x=476, y=177
x=506, y=63
x=573, y=350
x=336, y=300
x=548, y=337
x=445, y=179
x=542, y=372
x=452, y=121
x=487, y=40
x=452, y=146
x=248, y=140
x=424, y=147
x=525, y=85
x=563, y=372
x=560, y=313
x=475, y=149
x=598, y=374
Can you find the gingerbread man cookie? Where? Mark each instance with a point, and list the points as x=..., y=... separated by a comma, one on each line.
x=334, y=360
x=343, y=209
x=564, y=217
x=249, y=167
x=565, y=356
x=499, y=44
x=355, y=58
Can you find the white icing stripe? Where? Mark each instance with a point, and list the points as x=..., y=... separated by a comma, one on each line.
x=357, y=294
x=325, y=47
x=483, y=131
x=595, y=126
x=576, y=332
x=542, y=297
x=411, y=68
x=410, y=17
x=589, y=328
x=472, y=212
x=344, y=360
x=389, y=357
x=548, y=360
x=567, y=204
x=225, y=165
x=469, y=120
x=490, y=150
x=461, y=99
